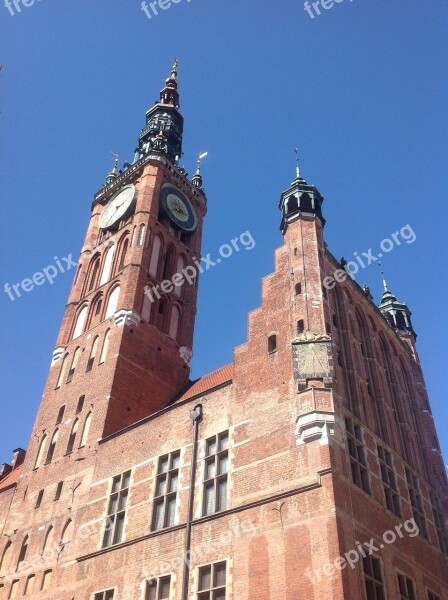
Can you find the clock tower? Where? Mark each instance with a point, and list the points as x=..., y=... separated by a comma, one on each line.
x=127, y=333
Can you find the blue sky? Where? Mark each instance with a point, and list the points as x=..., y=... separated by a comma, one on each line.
x=361, y=89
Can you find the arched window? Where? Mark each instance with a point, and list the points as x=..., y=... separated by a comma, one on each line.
x=300, y=326
x=122, y=257
x=174, y=322
x=62, y=371
x=306, y=202
x=94, y=273
x=146, y=309
x=67, y=534
x=72, y=438
x=4, y=562
x=168, y=264
x=60, y=416
x=292, y=204
x=85, y=430
x=52, y=447
x=48, y=542
x=179, y=267
x=272, y=343
x=23, y=552
x=80, y=322
x=113, y=302
x=141, y=235
x=30, y=582
x=156, y=246
x=105, y=275
x=43, y=443
x=93, y=353
x=298, y=289
x=46, y=580
x=134, y=234
x=74, y=364
x=95, y=311
x=105, y=347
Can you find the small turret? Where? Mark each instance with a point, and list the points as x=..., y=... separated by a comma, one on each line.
x=396, y=313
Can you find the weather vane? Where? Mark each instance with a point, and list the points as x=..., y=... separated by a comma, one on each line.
x=116, y=156
x=200, y=159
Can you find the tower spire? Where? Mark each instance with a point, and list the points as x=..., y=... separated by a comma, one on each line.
x=296, y=150
x=197, y=178
x=112, y=175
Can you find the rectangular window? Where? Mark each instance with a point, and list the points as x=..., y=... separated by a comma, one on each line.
x=40, y=495
x=158, y=589
x=212, y=582
x=215, y=473
x=107, y=595
x=391, y=495
x=406, y=587
x=167, y=483
x=416, y=502
x=373, y=578
x=432, y=596
x=357, y=452
x=116, y=511
x=439, y=523
x=58, y=491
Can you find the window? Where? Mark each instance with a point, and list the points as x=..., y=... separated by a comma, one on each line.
x=300, y=326
x=60, y=415
x=67, y=534
x=46, y=579
x=298, y=289
x=146, y=310
x=432, y=596
x=52, y=447
x=112, y=303
x=391, y=495
x=373, y=578
x=212, y=582
x=141, y=235
x=85, y=430
x=439, y=522
x=334, y=320
x=109, y=595
x=156, y=246
x=174, y=322
x=179, y=269
x=105, y=275
x=416, y=502
x=80, y=322
x=59, y=490
x=40, y=495
x=30, y=585
x=4, y=562
x=73, y=365
x=72, y=438
x=159, y=589
x=94, y=274
x=62, y=372
x=80, y=404
x=93, y=352
x=120, y=265
x=215, y=473
x=48, y=542
x=23, y=551
x=166, y=491
x=105, y=347
x=357, y=453
x=116, y=511
x=272, y=343
x=14, y=589
x=406, y=587
x=41, y=451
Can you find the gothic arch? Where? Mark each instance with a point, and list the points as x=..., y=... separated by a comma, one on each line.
x=80, y=321
x=112, y=302
x=156, y=251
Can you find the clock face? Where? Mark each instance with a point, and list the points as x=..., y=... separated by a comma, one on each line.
x=117, y=207
x=178, y=208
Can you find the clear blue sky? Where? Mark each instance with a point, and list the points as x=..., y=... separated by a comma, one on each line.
x=361, y=89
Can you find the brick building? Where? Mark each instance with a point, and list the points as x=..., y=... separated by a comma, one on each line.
x=308, y=468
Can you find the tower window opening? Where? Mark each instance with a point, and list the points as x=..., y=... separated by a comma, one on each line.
x=52, y=447
x=80, y=405
x=272, y=343
x=60, y=414
x=298, y=289
x=72, y=438
x=300, y=326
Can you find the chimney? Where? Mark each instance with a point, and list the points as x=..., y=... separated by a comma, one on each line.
x=5, y=470
x=18, y=457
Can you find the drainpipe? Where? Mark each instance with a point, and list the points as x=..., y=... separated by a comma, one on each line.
x=195, y=416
